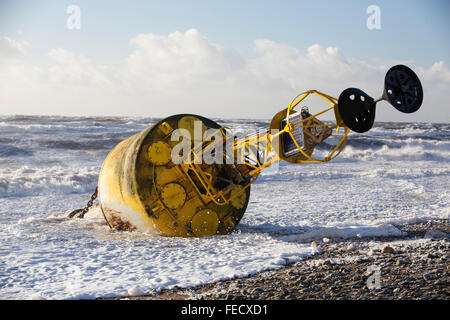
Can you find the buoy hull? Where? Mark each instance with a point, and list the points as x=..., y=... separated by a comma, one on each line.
x=141, y=188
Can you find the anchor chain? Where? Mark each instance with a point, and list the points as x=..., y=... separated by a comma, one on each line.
x=82, y=212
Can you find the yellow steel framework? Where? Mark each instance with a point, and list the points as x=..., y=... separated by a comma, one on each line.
x=143, y=185
x=262, y=149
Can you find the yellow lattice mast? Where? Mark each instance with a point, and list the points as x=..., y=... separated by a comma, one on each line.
x=260, y=150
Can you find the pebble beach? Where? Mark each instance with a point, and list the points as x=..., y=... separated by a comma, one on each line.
x=413, y=266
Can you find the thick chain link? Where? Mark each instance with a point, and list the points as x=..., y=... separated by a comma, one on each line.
x=83, y=211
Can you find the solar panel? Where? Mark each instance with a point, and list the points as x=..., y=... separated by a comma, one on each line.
x=289, y=147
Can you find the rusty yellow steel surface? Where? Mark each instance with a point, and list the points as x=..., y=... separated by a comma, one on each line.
x=143, y=187
x=140, y=188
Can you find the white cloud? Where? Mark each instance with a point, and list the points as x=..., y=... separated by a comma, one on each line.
x=12, y=49
x=191, y=53
x=186, y=72
x=73, y=69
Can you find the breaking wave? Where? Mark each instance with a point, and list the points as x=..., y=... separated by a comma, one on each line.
x=53, y=154
x=394, y=151
x=79, y=145
x=12, y=151
x=27, y=181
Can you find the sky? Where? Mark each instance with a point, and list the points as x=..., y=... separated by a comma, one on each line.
x=229, y=59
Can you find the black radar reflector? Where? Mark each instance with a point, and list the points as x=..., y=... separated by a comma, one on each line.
x=357, y=109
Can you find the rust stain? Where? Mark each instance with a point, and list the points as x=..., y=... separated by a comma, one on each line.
x=116, y=222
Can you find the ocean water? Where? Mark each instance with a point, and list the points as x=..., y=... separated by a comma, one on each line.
x=395, y=173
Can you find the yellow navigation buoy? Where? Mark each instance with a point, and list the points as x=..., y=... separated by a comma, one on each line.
x=188, y=176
